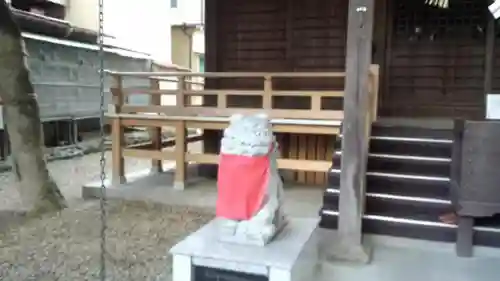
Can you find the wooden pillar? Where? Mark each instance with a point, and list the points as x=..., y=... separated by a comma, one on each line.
x=155, y=133
x=180, y=156
x=180, y=138
x=355, y=129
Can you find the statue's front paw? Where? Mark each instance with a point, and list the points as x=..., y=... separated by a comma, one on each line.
x=268, y=231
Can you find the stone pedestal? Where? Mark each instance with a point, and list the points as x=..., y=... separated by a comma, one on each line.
x=291, y=256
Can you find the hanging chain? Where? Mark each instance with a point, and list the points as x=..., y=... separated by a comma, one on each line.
x=102, y=273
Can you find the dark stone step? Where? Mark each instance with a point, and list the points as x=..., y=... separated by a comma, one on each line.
x=406, y=147
x=411, y=132
x=402, y=165
x=395, y=207
x=411, y=148
x=397, y=229
x=432, y=232
x=401, y=186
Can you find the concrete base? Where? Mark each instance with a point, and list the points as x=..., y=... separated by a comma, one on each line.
x=132, y=181
x=291, y=256
x=396, y=259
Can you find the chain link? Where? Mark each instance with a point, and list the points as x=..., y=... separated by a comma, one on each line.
x=102, y=273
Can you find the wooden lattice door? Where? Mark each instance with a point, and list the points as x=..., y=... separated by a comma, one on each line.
x=436, y=60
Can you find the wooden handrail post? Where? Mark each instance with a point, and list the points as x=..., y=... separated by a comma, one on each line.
x=374, y=88
x=221, y=101
x=180, y=155
x=180, y=139
x=315, y=102
x=117, y=134
x=155, y=133
x=267, y=97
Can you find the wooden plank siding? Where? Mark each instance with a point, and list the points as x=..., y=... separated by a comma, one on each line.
x=282, y=35
x=436, y=63
x=496, y=61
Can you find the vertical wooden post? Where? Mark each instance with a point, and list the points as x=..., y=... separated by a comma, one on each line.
x=316, y=103
x=180, y=139
x=180, y=156
x=355, y=133
x=267, y=98
x=221, y=101
x=155, y=133
x=117, y=134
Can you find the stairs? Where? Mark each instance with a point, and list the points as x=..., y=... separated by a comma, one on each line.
x=407, y=186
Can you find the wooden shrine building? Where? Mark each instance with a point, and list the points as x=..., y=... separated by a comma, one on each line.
x=382, y=102
x=436, y=65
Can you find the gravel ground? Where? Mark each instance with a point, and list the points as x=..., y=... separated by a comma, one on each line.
x=65, y=246
x=70, y=175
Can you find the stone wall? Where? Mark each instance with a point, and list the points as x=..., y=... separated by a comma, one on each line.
x=66, y=78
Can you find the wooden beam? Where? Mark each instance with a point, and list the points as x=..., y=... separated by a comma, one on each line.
x=288, y=164
x=194, y=111
x=229, y=74
x=236, y=92
x=355, y=131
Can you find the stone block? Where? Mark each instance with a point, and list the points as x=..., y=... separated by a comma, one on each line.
x=243, y=233
x=291, y=256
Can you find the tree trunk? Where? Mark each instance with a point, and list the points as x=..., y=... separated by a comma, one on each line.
x=38, y=190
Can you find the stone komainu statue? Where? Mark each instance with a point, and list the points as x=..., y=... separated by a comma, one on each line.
x=250, y=189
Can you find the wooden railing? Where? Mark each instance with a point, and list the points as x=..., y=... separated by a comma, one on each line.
x=222, y=109
x=182, y=115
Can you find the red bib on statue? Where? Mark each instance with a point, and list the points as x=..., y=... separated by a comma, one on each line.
x=242, y=184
